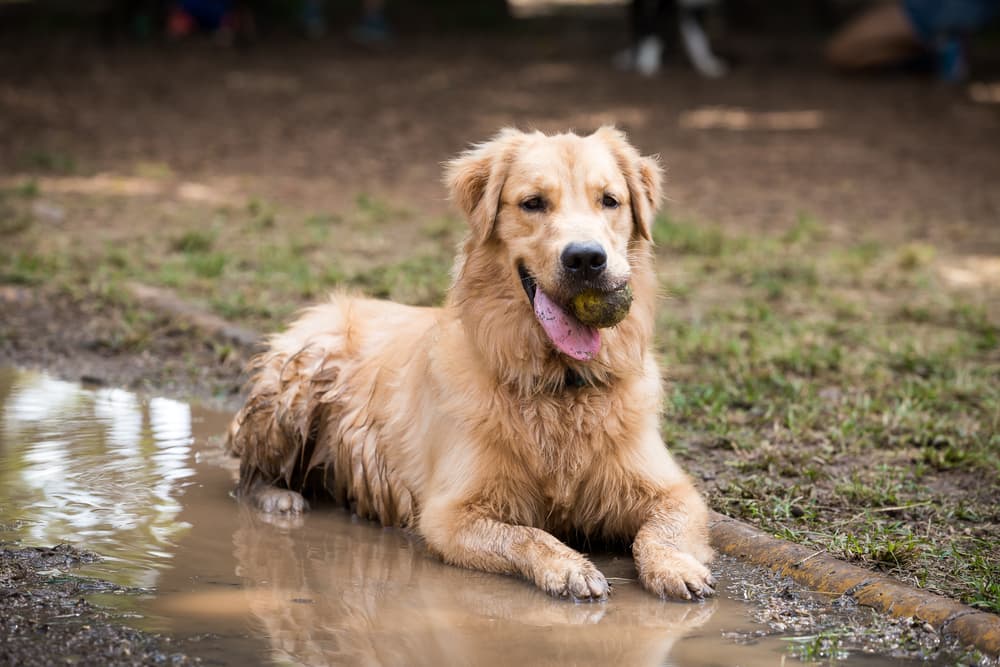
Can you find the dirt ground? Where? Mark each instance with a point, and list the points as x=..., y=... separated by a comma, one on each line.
x=40, y=597
x=252, y=181
x=316, y=124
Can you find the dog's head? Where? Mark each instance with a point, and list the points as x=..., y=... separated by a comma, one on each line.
x=565, y=215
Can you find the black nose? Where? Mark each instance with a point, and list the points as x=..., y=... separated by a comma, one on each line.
x=586, y=260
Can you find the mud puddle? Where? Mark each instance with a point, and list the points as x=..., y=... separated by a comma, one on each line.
x=142, y=482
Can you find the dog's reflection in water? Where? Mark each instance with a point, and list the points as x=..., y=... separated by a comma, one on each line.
x=331, y=590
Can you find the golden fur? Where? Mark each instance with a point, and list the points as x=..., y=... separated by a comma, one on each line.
x=460, y=423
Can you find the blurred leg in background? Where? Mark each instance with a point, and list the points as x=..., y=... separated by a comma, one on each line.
x=647, y=33
x=692, y=18
x=649, y=19
x=372, y=28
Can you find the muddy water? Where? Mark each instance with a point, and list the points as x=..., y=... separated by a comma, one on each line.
x=142, y=481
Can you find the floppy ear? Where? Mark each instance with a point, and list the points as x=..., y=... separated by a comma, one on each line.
x=475, y=180
x=643, y=177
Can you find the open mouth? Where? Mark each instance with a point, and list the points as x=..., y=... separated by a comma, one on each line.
x=527, y=282
x=567, y=333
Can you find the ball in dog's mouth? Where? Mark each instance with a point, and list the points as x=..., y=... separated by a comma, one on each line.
x=602, y=309
x=573, y=330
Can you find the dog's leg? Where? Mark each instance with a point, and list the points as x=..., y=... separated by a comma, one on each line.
x=671, y=548
x=467, y=537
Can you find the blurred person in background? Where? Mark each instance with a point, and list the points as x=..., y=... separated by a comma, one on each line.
x=905, y=31
x=646, y=52
x=227, y=20
x=372, y=28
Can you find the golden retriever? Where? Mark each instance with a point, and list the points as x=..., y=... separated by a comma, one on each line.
x=498, y=422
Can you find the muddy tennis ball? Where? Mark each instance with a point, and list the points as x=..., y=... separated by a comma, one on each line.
x=602, y=309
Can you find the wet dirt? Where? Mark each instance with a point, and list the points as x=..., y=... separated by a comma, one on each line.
x=45, y=618
x=172, y=569
x=80, y=340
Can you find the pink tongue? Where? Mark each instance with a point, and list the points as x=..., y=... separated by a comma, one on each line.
x=567, y=333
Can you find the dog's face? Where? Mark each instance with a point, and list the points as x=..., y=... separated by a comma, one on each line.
x=564, y=211
x=564, y=216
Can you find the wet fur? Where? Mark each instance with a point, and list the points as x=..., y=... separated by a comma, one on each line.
x=458, y=421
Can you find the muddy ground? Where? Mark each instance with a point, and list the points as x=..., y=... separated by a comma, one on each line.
x=252, y=181
x=45, y=618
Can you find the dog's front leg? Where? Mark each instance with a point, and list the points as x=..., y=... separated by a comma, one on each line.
x=671, y=547
x=465, y=535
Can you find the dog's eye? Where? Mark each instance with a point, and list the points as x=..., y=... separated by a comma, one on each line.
x=609, y=202
x=533, y=204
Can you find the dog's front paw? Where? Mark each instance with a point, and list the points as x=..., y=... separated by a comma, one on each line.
x=678, y=576
x=272, y=500
x=578, y=580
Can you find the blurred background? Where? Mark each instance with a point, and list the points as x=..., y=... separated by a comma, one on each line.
x=829, y=252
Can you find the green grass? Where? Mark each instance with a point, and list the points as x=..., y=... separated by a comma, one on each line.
x=839, y=396
x=194, y=241
x=420, y=280
x=55, y=162
x=27, y=268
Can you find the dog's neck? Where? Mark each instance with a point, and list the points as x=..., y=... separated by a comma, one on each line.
x=573, y=380
x=500, y=324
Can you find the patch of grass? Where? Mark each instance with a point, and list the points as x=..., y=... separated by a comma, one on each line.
x=55, y=162
x=941, y=454
x=236, y=306
x=979, y=570
x=14, y=221
x=688, y=238
x=154, y=170
x=373, y=210
x=207, y=265
x=292, y=268
x=420, y=280
x=444, y=227
x=117, y=258
x=27, y=268
x=885, y=546
x=838, y=396
x=262, y=215
x=776, y=277
x=806, y=229
x=194, y=241
x=319, y=225
x=915, y=255
x=876, y=490
x=16, y=215
x=28, y=189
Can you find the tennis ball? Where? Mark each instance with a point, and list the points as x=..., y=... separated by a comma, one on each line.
x=602, y=309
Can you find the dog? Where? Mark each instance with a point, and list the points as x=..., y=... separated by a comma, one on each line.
x=499, y=423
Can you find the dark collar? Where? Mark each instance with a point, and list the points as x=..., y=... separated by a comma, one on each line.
x=574, y=379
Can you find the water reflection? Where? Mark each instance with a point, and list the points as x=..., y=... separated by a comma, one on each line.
x=337, y=591
x=101, y=469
